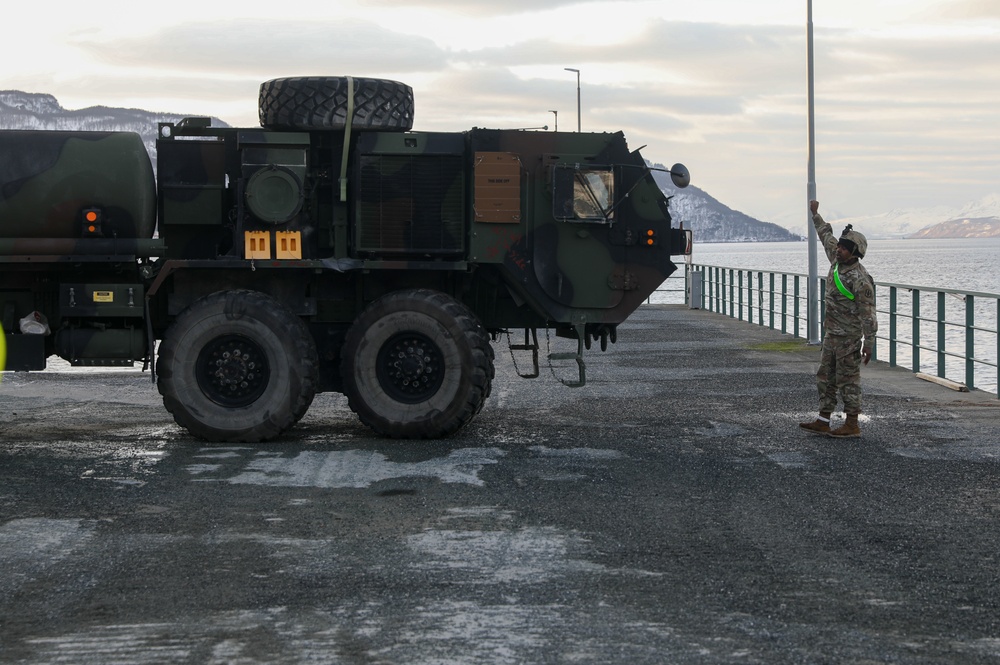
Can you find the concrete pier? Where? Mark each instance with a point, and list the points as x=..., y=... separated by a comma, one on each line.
x=669, y=511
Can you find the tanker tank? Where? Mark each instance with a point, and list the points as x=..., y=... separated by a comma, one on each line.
x=50, y=179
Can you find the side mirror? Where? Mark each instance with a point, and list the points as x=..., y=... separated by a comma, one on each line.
x=680, y=175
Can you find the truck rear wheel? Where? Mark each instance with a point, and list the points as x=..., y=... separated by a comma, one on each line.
x=237, y=366
x=417, y=365
x=320, y=102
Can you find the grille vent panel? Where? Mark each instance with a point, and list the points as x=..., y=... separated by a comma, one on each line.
x=411, y=205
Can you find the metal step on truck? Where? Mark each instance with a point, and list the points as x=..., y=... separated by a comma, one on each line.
x=330, y=249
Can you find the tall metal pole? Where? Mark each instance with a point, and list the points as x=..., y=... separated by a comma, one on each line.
x=570, y=69
x=812, y=288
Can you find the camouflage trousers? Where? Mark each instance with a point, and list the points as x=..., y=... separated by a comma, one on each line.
x=840, y=371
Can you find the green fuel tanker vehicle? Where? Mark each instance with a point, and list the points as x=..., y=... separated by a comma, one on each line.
x=330, y=249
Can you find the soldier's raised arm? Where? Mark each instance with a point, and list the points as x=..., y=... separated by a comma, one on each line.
x=825, y=232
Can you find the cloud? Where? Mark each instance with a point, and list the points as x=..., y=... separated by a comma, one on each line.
x=967, y=9
x=483, y=7
x=700, y=55
x=263, y=47
x=906, y=93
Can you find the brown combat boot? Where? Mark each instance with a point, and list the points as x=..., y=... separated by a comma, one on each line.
x=819, y=426
x=848, y=430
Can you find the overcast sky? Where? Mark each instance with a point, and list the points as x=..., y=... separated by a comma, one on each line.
x=907, y=91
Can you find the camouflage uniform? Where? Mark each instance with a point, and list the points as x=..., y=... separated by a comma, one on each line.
x=848, y=322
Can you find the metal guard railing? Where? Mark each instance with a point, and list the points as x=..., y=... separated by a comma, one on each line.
x=947, y=334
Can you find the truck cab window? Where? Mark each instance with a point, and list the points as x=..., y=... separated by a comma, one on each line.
x=583, y=194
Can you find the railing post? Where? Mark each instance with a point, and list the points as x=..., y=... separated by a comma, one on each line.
x=970, y=341
x=739, y=294
x=892, y=326
x=749, y=297
x=875, y=355
x=702, y=303
x=822, y=307
x=759, y=293
x=770, y=317
x=732, y=295
x=760, y=299
x=710, y=289
x=722, y=291
x=717, y=290
x=941, y=371
x=707, y=293
x=795, y=305
x=915, y=335
x=784, y=302
x=687, y=284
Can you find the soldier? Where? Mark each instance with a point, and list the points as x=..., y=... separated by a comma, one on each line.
x=851, y=325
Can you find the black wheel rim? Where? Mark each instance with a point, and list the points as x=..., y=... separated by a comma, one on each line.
x=232, y=370
x=410, y=367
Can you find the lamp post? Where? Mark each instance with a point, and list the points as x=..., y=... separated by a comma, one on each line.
x=812, y=284
x=556, y=114
x=570, y=69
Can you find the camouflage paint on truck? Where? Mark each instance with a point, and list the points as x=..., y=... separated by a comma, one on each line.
x=48, y=180
x=312, y=254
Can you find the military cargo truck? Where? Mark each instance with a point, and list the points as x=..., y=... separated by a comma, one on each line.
x=330, y=249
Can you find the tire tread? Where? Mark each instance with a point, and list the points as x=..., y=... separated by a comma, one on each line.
x=320, y=102
x=304, y=351
x=481, y=377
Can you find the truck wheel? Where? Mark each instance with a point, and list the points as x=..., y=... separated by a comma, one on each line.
x=237, y=366
x=417, y=365
x=320, y=102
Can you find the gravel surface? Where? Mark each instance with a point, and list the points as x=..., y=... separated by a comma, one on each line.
x=669, y=511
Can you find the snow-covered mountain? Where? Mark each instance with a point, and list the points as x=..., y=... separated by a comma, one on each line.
x=936, y=221
x=917, y=222
x=967, y=227
x=713, y=221
x=26, y=110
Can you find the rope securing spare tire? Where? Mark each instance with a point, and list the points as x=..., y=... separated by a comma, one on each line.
x=347, y=139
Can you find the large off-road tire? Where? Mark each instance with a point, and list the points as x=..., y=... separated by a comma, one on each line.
x=417, y=364
x=320, y=102
x=237, y=366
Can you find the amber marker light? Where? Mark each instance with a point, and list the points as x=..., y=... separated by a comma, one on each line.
x=92, y=221
x=650, y=237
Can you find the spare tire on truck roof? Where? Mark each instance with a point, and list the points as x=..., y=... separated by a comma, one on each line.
x=321, y=102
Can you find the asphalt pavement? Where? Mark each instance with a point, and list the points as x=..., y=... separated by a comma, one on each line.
x=670, y=511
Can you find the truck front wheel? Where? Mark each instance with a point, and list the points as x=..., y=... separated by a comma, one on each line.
x=417, y=365
x=237, y=366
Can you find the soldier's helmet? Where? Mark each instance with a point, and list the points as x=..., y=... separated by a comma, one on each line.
x=854, y=241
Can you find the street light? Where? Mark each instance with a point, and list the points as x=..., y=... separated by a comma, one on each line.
x=570, y=69
x=812, y=284
x=556, y=114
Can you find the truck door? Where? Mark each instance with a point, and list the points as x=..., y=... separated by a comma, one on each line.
x=575, y=261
